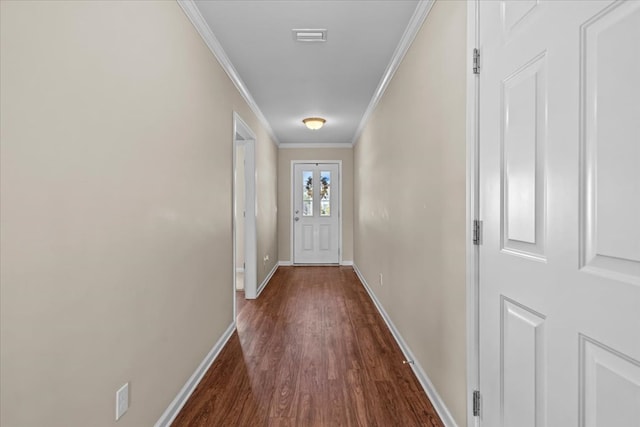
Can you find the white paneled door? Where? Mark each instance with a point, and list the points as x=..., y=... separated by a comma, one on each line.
x=559, y=288
x=316, y=209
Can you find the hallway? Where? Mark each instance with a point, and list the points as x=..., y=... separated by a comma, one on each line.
x=119, y=127
x=311, y=351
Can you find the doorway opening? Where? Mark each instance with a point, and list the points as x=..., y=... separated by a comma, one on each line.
x=244, y=212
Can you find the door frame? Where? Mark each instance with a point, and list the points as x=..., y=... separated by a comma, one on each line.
x=473, y=212
x=244, y=136
x=292, y=202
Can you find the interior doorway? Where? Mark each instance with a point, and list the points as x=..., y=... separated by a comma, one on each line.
x=244, y=212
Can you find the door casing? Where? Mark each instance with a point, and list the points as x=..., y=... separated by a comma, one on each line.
x=473, y=212
x=244, y=136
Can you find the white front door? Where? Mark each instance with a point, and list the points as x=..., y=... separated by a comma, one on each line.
x=560, y=204
x=316, y=210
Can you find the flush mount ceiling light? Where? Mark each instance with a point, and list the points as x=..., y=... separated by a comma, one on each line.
x=314, y=123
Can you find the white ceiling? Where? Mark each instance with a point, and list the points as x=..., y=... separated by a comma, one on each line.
x=290, y=80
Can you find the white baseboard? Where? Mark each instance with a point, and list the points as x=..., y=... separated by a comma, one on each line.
x=174, y=408
x=289, y=263
x=424, y=380
x=266, y=279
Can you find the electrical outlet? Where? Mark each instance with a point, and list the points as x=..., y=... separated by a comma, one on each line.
x=381, y=283
x=265, y=259
x=122, y=401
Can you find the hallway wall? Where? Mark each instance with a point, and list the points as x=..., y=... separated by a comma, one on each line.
x=116, y=208
x=286, y=155
x=409, y=187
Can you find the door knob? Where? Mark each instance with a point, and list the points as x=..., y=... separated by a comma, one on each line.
x=297, y=211
x=297, y=219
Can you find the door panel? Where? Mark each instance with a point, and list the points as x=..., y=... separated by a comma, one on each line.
x=325, y=237
x=316, y=226
x=307, y=237
x=515, y=12
x=559, y=287
x=611, y=194
x=610, y=386
x=523, y=114
x=522, y=355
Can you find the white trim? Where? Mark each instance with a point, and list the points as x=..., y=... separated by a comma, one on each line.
x=315, y=145
x=193, y=13
x=285, y=263
x=424, y=380
x=419, y=15
x=265, y=282
x=291, y=201
x=239, y=269
x=240, y=128
x=183, y=395
x=346, y=263
x=473, y=212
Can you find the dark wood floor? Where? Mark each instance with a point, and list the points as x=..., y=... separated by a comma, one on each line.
x=311, y=351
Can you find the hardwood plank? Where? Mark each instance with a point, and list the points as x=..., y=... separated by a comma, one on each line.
x=311, y=351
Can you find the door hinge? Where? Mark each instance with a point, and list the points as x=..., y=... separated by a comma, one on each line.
x=476, y=403
x=477, y=232
x=476, y=61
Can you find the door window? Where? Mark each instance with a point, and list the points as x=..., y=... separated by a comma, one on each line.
x=325, y=193
x=307, y=193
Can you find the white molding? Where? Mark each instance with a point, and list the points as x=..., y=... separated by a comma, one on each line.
x=472, y=212
x=419, y=15
x=285, y=263
x=265, y=282
x=422, y=376
x=178, y=402
x=241, y=128
x=193, y=13
x=251, y=203
x=285, y=145
x=346, y=263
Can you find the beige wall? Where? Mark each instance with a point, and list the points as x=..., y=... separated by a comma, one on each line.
x=116, y=205
x=410, y=201
x=286, y=155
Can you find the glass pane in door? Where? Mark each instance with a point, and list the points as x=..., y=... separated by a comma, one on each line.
x=307, y=193
x=325, y=193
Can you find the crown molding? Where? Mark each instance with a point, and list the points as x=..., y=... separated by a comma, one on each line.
x=286, y=145
x=419, y=15
x=193, y=13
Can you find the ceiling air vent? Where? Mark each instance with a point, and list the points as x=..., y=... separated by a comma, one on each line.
x=307, y=35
